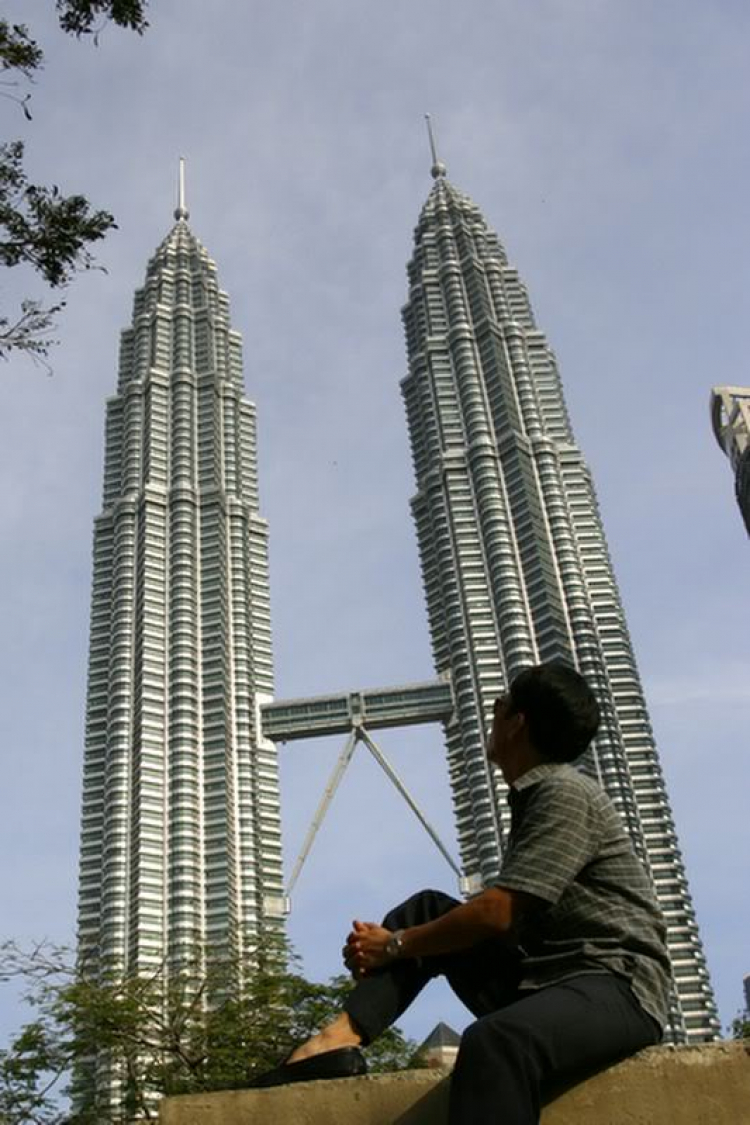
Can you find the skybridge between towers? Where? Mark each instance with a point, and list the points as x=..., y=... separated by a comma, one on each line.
x=377, y=708
x=355, y=714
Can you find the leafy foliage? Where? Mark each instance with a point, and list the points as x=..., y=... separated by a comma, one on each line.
x=165, y=1033
x=740, y=1028
x=30, y=331
x=79, y=16
x=18, y=51
x=39, y=226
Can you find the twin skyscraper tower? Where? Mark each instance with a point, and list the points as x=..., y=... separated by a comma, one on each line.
x=181, y=829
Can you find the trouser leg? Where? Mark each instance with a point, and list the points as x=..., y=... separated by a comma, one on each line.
x=556, y=1033
x=483, y=977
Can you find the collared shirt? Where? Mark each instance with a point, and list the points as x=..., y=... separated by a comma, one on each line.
x=569, y=848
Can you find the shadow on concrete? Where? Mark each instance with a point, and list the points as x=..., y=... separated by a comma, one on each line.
x=433, y=1107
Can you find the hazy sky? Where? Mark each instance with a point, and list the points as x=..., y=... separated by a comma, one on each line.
x=606, y=142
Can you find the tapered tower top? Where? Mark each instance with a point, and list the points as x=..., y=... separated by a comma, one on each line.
x=181, y=211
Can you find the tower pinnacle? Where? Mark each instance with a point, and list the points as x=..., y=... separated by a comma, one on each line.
x=181, y=211
x=438, y=168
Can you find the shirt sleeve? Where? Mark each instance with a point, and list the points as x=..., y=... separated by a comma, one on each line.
x=557, y=837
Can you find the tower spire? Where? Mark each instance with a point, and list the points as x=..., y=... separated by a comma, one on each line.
x=438, y=168
x=181, y=211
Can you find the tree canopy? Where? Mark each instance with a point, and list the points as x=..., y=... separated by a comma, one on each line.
x=193, y=1030
x=80, y=17
x=39, y=225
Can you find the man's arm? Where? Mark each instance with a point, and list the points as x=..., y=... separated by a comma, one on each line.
x=494, y=913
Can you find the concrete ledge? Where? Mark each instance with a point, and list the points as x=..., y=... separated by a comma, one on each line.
x=661, y=1086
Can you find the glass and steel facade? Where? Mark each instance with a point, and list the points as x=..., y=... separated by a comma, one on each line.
x=514, y=559
x=181, y=838
x=730, y=420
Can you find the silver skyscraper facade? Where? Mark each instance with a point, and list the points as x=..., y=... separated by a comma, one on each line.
x=730, y=420
x=514, y=560
x=181, y=840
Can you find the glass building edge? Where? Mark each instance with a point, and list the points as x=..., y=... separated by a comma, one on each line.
x=730, y=421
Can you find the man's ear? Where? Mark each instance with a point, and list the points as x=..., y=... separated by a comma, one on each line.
x=519, y=724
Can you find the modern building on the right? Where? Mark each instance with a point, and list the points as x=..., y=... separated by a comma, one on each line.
x=515, y=564
x=730, y=418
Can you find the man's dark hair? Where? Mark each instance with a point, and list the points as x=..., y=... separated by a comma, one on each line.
x=560, y=709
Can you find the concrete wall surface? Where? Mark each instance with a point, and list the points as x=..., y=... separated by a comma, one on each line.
x=661, y=1086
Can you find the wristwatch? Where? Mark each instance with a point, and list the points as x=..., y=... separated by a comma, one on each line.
x=394, y=947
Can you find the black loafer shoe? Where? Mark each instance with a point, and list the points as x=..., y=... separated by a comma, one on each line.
x=344, y=1062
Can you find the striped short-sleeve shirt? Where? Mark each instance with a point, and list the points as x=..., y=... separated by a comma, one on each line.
x=597, y=912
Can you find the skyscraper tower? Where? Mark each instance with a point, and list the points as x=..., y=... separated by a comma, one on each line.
x=730, y=419
x=181, y=843
x=514, y=559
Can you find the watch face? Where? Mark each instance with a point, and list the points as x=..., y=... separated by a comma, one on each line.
x=393, y=945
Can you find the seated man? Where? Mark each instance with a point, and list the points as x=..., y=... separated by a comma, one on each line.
x=562, y=961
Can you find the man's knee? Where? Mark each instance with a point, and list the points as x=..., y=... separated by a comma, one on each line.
x=419, y=908
x=432, y=902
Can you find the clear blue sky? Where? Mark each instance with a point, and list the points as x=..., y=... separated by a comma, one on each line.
x=606, y=142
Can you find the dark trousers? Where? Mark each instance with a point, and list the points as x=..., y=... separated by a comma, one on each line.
x=522, y=1040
